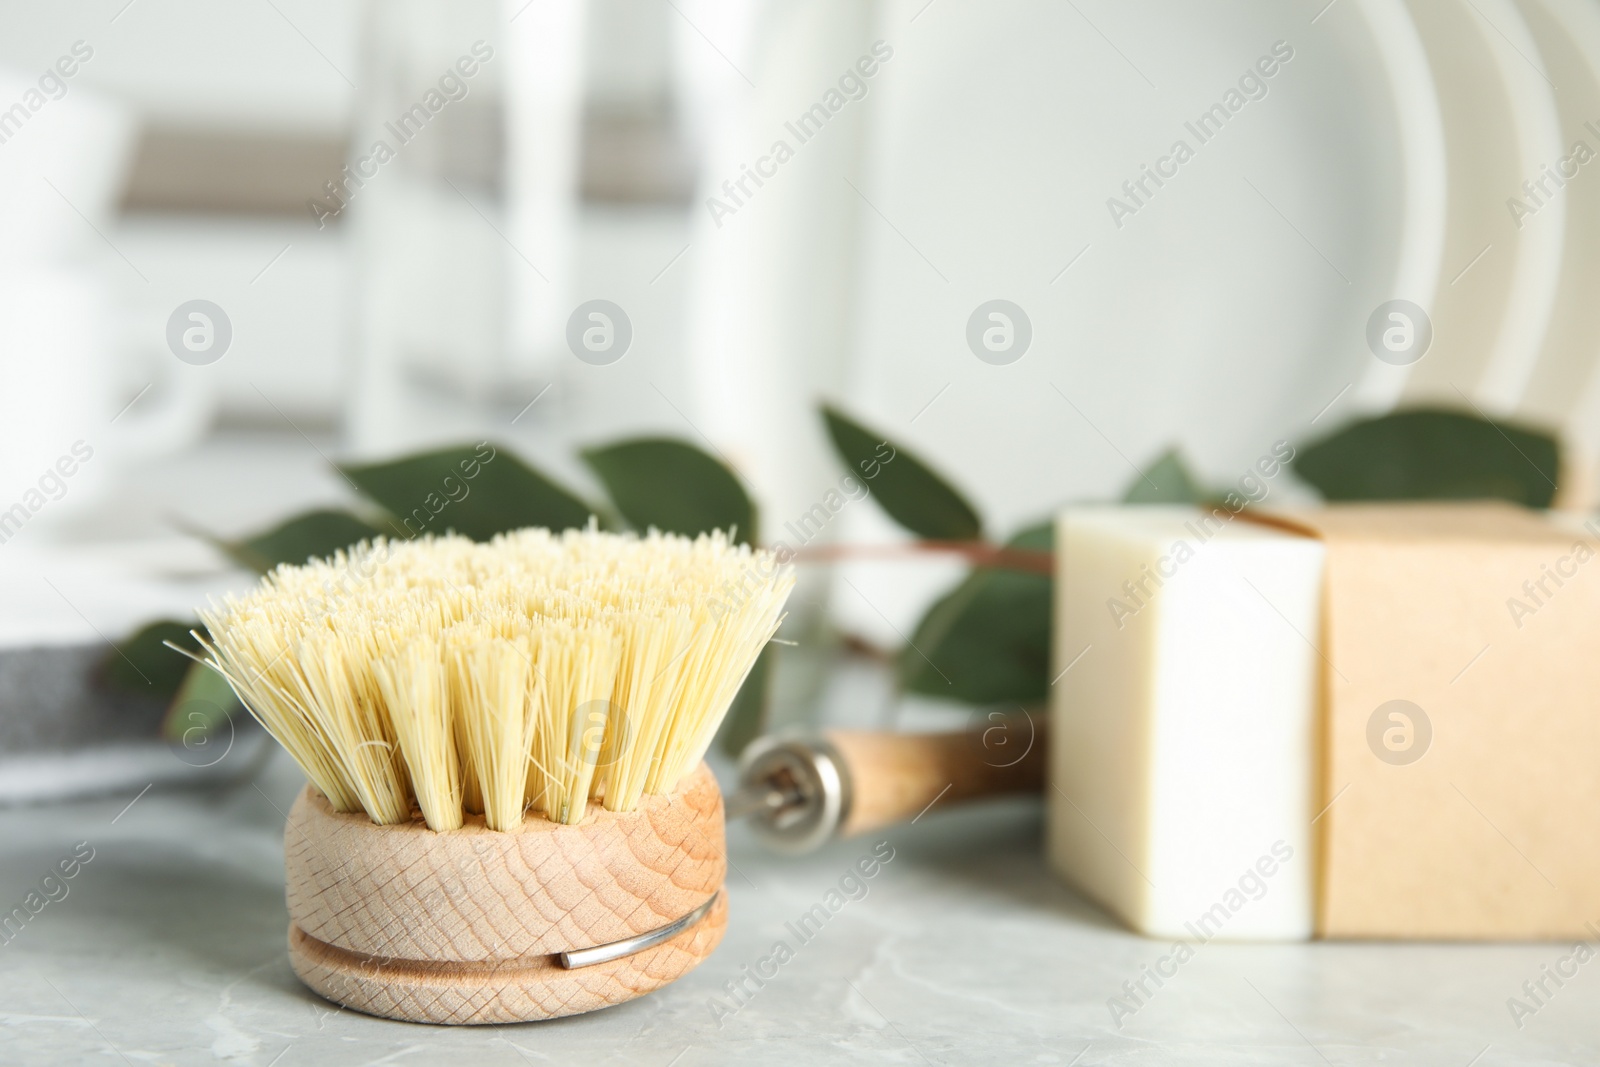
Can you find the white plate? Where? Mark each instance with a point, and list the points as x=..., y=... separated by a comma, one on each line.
x=1222, y=316
x=1565, y=390
x=1421, y=239
x=1500, y=124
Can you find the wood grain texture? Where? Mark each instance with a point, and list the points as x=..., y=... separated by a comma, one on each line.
x=894, y=777
x=463, y=926
x=501, y=991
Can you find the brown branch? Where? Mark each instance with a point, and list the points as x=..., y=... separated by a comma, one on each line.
x=978, y=553
x=856, y=645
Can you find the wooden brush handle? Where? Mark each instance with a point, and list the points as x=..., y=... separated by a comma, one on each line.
x=894, y=777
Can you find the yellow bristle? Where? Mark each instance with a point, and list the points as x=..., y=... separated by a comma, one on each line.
x=651, y=672
x=489, y=685
x=577, y=669
x=414, y=690
x=535, y=672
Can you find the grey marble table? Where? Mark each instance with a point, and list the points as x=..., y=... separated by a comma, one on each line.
x=168, y=947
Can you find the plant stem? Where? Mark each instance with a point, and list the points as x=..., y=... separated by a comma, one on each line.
x=978, y=553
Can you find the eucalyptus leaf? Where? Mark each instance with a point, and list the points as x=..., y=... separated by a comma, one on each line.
x=987, y=641
x=673, y=486
x=203, y=702
x=476, y=490
x=143, y=664
x=907, y=488
x=316, y=534
x=1036, y=537
x=1166, y=481
x=1433, y=455
x=747, y=716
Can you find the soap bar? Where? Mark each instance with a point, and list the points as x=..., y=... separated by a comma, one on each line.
x=1184, y=710
x=1458, y=741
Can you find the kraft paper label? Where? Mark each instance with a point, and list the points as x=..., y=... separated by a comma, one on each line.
x=1460, y=772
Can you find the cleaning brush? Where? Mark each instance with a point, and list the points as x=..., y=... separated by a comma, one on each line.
x=554, y=691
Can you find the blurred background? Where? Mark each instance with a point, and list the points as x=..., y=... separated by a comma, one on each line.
x=244, y=242
x=1061, y=251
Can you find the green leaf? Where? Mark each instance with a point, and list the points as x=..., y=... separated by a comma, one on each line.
x=987, y=641
x=1166, y=481
x=1433, y=455
x=204, y=701
x=316, y=534
x=143, y=664
x=747, y=715
x=673, y=486
x=1039, y=537
x=477, y=491
x=904, y=486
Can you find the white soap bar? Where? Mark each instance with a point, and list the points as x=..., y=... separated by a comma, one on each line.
x=1186, y=693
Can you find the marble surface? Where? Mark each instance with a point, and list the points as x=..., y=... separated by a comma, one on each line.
x=168, y=947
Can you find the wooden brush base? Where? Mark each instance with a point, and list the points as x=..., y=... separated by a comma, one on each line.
x=468, y=926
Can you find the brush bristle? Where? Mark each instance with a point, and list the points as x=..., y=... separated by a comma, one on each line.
x=532, y=672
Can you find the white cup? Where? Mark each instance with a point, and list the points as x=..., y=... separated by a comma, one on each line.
x=63, y=156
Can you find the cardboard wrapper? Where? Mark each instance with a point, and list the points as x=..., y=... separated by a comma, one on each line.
x=1472, y=809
